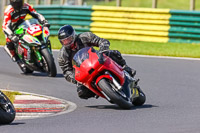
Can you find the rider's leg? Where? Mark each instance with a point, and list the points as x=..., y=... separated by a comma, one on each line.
x=117, y=57
x=10, y=49
x=84, y=92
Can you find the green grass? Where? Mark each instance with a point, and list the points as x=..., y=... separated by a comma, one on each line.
x=171, y=4
x=157, y=49
x=11, y=95
x=2, y=37
x=141, y=48
x=149, y=48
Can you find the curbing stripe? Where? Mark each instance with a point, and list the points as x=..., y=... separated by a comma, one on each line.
x=39, y=110
x=37, y=101
x=30, y=113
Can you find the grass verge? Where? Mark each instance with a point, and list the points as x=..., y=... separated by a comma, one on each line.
x=171, y=4
x=149, y=48
x=141, y=48
x=11, y=94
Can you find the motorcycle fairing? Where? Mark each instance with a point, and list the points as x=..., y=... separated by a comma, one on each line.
x=34, y=30
x=46, y=34
x=106, y=76
x=31, y=40
x=20, y=30
x=88, y=69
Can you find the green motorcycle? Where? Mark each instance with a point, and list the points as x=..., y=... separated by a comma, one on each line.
x=34, y=48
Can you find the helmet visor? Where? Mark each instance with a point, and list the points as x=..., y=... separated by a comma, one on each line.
x=68, y=41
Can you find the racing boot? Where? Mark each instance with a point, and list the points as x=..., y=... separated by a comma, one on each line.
x=11, y=53
x=84, y=92
x=131, y=71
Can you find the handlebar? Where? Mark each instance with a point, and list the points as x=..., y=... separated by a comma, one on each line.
x=101, y=60
x=46, y=25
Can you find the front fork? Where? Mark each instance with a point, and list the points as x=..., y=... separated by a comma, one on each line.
x=128, y=88
x=49, y=46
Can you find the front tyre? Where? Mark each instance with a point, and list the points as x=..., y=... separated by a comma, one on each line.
x=106, y=87
x=48, y=63
x=7, y=110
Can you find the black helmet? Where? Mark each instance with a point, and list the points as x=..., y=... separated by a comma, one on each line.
x=66, y=35
x=17, y=4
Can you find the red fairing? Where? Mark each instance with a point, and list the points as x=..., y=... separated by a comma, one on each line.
x=112, y=66
x=106, y=76
x=46, y=31
x=34, y=29
x=90, y=69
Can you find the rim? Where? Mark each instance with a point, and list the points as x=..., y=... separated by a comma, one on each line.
x=4, y=104
x=45, y=65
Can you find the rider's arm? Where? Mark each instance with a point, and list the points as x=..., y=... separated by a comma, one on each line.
x=36, y=15
x=7, y=22
x=90, y=39
x=66, y=66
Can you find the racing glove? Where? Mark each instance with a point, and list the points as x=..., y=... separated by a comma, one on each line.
x=45, y=23
x=71, y=79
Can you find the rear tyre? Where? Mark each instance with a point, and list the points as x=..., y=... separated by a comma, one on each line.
x=106, y=87
x=7, y=110
x=139, y=100
x=48, y=62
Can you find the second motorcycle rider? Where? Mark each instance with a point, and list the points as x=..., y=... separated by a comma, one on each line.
x=14, y=15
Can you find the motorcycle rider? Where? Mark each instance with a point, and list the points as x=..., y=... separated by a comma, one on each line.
x=14, y=15
x=71, y=43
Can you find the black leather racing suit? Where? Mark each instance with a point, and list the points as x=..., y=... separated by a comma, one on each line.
x=84, y=40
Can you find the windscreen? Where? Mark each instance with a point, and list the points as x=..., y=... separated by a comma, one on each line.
x=28, y=23
x=82, y=55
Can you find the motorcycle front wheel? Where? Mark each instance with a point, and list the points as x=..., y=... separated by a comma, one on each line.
x=106, y=87
x=7, y=110
x=48, y=62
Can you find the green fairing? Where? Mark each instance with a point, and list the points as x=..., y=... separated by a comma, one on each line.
x=31, y=44
x=38, y=55
x=20, y=30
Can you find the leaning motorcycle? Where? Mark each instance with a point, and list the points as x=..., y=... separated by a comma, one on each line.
x=106, y=78
x=7, y=110
x=34, y=48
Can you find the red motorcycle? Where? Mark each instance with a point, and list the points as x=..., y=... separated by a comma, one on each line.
x=106, y=78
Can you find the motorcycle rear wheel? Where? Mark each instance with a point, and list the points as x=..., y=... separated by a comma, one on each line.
x=7, y=113
x=113, y=95
x=49, y=60
x=139, y=100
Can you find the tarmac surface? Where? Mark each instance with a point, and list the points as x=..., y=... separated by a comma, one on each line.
x=29, y=106
x=171, y=87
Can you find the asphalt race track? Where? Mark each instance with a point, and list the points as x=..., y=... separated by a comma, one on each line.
x=172, y=87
